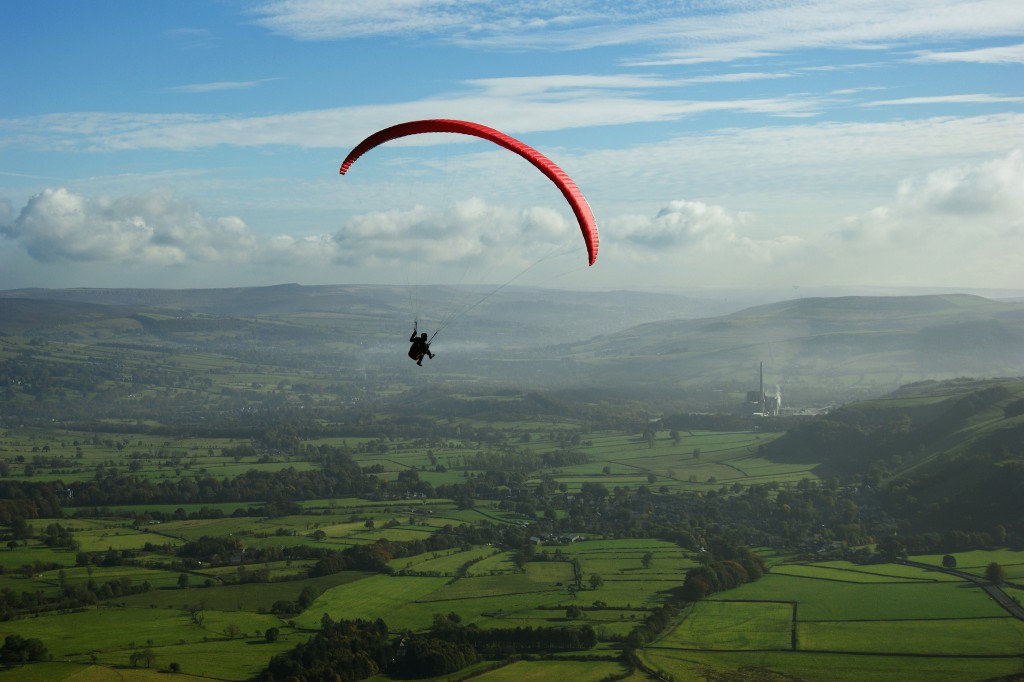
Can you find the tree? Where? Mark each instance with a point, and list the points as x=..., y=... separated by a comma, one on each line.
x=573, y=612
x=892, y=549
x=949, y=561
x=196, y=612
x=1000, y=534
x=183, y=581
x=18, y=651
x=995, y=573
x=146, y=656
x=596, y=581
x=646, y=559
x=271, y=635
x=232, y=630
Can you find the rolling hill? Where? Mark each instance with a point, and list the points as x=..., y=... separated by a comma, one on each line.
x=816, y=350
x=950, y=453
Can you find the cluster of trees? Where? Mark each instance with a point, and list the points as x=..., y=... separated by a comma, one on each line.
x=18, y=650
x=346, y=650
x=21, y=500
x=284, y=607
x=427, y=656
x=738, y=565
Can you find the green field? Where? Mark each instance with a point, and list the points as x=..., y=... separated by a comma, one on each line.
x=733, y=625
x=377, y=596
x=841, y=621
x=110, y=636
x=948, y=637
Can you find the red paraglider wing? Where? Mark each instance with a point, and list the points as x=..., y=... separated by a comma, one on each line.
x=569, y=190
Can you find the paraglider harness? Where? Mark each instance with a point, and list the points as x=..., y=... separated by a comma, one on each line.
x=420, y=346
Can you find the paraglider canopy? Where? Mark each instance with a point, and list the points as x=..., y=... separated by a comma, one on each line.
x=565, y=184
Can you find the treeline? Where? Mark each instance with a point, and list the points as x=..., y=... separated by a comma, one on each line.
x=355, y=650
x=70, y=596
x=503, y=642
x=339, y=476
x=717, y=576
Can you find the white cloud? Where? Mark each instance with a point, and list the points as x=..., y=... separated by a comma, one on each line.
x=964, y=222
x=470, y=232
x=158, y=229
x=967, y=202
x=154, y=228
x=685, y=226
x=956, y=226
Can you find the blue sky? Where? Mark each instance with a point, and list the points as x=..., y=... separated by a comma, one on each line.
x=854, y=143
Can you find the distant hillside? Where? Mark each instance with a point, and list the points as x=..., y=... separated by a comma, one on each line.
x=26, y=317
x=949, y=454
x=848, y=346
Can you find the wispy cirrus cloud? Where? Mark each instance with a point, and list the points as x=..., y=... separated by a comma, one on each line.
x=974, y=98
x=515, y=106
x=192, y=38
x=442, y=19
x=687, y=33
x=1003, y=54
x=571, y=85
x=218, y=86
